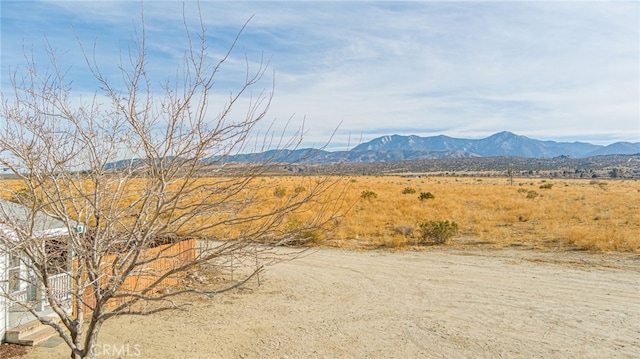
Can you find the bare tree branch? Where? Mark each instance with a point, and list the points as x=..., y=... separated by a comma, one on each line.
x=139, y=169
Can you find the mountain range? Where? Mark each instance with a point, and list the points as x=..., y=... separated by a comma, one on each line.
x=401, y=148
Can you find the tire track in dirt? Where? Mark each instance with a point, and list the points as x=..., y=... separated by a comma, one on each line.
x=465, y=305
x=434, y=304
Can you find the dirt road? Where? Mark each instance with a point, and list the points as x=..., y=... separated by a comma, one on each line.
x=434, y=304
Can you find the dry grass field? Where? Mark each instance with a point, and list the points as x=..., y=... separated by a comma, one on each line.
x=456, y=302
x=602, y=215
x=542, y=213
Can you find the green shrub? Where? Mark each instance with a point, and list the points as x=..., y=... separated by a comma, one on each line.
x=300, y=233
x=366, y=194
x=408, y=190
x=280, y=192
x=546, y=186
x=426, y=195
x=22, y=196
x=306, y=237
x=532, y=194
x=438, y=232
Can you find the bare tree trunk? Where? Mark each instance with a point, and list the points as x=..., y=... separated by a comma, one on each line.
x=71, y=173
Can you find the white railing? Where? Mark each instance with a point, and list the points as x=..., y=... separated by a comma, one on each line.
x=20, y=296
x=60, y=287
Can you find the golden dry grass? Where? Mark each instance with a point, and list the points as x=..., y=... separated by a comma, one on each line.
x=235, y=207
x=584, y=214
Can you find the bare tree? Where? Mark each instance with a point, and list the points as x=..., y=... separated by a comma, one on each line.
x=66, y=156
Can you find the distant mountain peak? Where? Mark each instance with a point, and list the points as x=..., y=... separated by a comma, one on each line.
x=505, y=133
x=391, y=148
x=504, y=143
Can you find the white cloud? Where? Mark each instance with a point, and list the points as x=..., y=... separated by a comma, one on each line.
x=553, y=69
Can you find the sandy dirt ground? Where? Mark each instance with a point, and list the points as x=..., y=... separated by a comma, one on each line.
x=431, y=304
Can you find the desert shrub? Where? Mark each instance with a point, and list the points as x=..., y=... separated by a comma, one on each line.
x=403, y=230
x=301, y=234
x=280, y=192
x=22, y=196
x=426, y=195
x=307, y=236
x=366, y=194
x=601, y=184
x=546, y=186
x=532, y=194
x=408, y=190
x=522, y=190
x=299, y=190
x=438, y=232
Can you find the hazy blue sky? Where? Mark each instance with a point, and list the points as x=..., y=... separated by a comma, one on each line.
x=548, y=70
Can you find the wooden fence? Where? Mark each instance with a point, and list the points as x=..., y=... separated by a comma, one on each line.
x=161, y=259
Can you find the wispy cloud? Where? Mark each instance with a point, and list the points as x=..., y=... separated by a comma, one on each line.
x=549, y=70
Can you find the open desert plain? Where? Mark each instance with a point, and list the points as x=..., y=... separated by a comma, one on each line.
x=319, y=179
x=555, y=274
x=430, y=304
